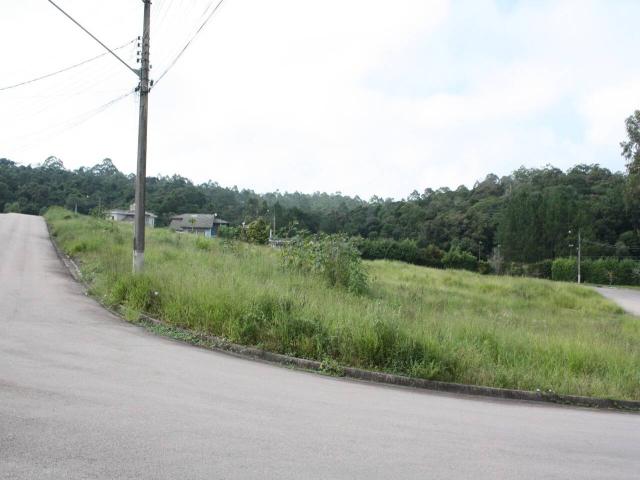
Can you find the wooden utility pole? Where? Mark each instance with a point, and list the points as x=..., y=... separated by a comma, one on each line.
x=579, y=253
x=143, y=89
x=141, y=175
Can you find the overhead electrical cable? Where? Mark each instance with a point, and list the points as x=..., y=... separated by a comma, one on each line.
x=74, y=121
x=197, y=32
x=57, y=93
x=63, y=70
x=173, y=29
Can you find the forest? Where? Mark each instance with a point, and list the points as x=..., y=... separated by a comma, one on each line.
x=531, y=215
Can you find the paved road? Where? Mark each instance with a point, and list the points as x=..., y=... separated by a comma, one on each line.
x=627, y=298
x=84, y=395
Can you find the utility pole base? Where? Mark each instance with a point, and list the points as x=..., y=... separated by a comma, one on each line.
x=138, y=262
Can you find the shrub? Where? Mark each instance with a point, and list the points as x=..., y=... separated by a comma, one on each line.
x=484, y=267
x=459, y=259
x=431, y=256
x=333, y=256
x=628, y=272
x=603, y=271
x=610, y=271
x=564, y=269
x=541, y=269
x=12, y=207
x=137, y=292
x=258, y=232
x=203, y=243
x=225, y=231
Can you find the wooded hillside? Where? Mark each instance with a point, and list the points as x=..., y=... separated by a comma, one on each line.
x=528, y=216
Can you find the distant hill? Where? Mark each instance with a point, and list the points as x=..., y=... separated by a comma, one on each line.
x=532, y=214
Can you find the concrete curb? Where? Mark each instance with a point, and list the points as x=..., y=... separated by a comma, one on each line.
x=219, y=344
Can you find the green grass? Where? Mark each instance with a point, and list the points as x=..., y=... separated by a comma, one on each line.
x=443, y=325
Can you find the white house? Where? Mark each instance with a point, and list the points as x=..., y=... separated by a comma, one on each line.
x=197, y=223
x=128, y=215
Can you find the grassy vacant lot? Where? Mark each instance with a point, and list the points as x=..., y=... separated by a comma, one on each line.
x=443, y=325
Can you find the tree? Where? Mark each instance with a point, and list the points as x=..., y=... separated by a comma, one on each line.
x=528, y=213
x=631, y=152
x=631, y=147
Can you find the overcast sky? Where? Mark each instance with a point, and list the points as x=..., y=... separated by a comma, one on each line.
x=359, y=96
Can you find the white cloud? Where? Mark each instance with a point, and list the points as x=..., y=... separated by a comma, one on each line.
x=365, y=97
x=604, y=108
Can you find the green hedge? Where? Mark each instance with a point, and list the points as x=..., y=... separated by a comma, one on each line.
x=429, y=256
x=540, y=269
x=604, y=271
x=459, y=259
x=404, y=250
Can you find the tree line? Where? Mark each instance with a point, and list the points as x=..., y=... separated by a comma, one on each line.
x=531, y=215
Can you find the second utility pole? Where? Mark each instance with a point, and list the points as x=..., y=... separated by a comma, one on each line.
x=579, y=254
x=141, y=172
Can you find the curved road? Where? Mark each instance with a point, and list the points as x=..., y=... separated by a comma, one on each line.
x=627, y=298
x=85, y=395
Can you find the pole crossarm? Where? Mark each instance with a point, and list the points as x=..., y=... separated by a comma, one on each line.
x=135, y=71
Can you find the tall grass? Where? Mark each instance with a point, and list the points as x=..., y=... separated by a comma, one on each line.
x=443, y=325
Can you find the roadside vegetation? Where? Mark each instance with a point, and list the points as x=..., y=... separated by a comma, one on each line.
x=324, y=303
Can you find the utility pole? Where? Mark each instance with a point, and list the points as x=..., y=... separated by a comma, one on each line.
x=579, y=257
x=141, y=174
x=579, y=253
x=143, y=89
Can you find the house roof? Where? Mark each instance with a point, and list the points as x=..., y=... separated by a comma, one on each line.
x=130, y=213
x=195, y=220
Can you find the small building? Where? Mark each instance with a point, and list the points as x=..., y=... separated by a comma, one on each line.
x=128, y=216
x=197, y=223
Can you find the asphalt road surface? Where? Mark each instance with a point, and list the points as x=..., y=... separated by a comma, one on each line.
x=84, y=395
x=627, y=298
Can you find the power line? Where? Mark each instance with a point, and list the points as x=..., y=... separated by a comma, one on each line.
x=63, y=70
x=177, y=57
x=57, y=92
x=94, y=37
x=74, y=121
x=609, y=245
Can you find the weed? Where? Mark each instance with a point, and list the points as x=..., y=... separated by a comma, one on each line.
x=330, y=367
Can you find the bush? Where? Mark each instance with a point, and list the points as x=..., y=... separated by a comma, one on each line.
x=629, y=272
x=541, y=269
x=459, y=259
x=484, y=267
x=225, y=231
x=333, y=256
x=603, y=271
x=203, y=243
x=137, y=292
x=431, y=256
x=611, y=271
x=564, y=270
x=258, y=232
x=12, y=208
x=514, y=269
